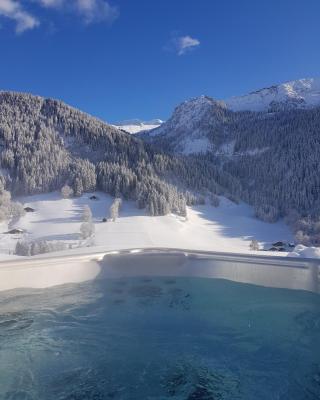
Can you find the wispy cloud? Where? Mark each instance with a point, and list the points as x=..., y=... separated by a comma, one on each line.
x=184, y=44
x=51, y=3
x=90, y=11
x=14, y=10
x=181, y=44
x=96, y=10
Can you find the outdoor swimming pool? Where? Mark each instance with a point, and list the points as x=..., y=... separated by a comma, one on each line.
x=159, y=337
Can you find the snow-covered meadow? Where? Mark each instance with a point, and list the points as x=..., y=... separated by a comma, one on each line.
x=228, y=228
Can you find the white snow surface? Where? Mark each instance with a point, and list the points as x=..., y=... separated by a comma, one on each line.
x=307, y=252
x=301, y=93
x=136, y=125
x=227, y=228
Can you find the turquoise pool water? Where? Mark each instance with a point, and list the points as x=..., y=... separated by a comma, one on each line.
x=160, y=338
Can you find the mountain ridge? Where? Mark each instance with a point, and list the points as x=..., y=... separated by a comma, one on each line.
x=274, y=155
x=267, y=159
x=46, y=144
x=300, y=93
x=193, y=120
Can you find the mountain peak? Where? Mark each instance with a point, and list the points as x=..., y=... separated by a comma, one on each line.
x=300, y=93
x=190, y=122
x=195, y=108
x=202, y=101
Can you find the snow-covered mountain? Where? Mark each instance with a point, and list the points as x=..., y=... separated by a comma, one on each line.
x=301, y=93
x=267, y=159
x=274, y=153
x=203, y=124
x=189, y=124
x=193, y=116
x=136, y=125
x=189, y=113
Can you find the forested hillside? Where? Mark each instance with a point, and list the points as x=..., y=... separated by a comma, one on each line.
x=46, y=144
x=273, y=156
x=270, y=160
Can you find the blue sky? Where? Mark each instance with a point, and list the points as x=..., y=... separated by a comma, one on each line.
x=122, y=59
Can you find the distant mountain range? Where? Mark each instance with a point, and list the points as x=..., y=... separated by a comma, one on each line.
x=46, y=144
x=269, y=141
x=204, y=124
x=298, y=94
x=302, y=93
x=262, y=148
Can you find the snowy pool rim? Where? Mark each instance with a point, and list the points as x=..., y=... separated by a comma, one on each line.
x=93, y=255
x=272, y=271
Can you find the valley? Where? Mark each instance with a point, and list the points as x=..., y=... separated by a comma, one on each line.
x=227, y=228
x=257, y=165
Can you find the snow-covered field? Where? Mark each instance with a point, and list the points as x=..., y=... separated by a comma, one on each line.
x=137, y=126
x=227, y=228
x=306, y=252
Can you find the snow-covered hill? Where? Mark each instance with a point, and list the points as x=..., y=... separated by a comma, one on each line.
x=135, y=125
x=229, y=227
x=301, y=93
x=271, y=153
x=268, y=160
x=204, y=124
x=190, y=115
x=190, y=124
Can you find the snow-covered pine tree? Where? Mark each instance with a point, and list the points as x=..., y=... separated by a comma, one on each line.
x=66, y=192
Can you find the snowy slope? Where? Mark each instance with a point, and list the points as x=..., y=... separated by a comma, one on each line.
x=188, y=115
x=302, y=93
x=136, y=125
x=307, y=252
x=228, y=228
x=190, y=123
x=192, y=128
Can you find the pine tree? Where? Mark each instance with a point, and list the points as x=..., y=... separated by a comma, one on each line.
x=87, y=214
x=66, y=192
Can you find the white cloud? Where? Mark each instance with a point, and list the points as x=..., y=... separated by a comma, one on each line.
x=96, y=10
x=90, y=10
x=51, y=3
x=184, y=44
x=13, y=10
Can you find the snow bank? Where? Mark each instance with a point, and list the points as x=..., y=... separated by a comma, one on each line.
x=227, y=228
x=44, y=274
x=306, y=252
x=137, y=126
